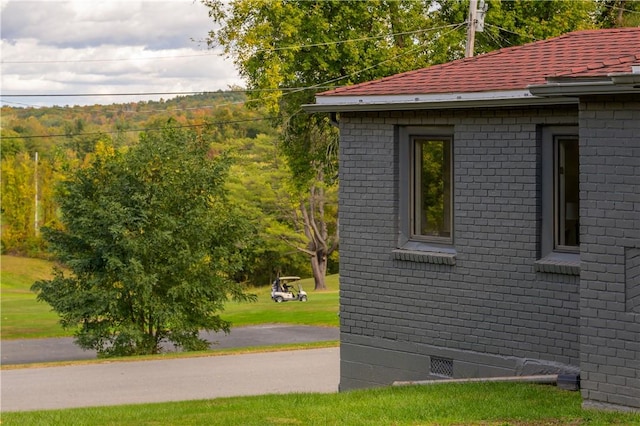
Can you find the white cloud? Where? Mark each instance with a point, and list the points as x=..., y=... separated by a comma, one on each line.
x=68, y=47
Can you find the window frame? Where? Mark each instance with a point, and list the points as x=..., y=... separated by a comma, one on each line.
x=408, y=239
x=560, y=190
x=550, y=184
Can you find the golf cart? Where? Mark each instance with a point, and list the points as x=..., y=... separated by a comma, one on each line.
x=283, y=291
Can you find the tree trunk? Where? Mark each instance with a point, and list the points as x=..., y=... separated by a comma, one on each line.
x=620, y=17
x=319, y=268
x=316, y=232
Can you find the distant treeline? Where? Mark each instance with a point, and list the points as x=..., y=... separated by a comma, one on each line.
x=42, y=146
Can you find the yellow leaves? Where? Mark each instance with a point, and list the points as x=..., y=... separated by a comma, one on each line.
x=18, y=194
x=104, y=150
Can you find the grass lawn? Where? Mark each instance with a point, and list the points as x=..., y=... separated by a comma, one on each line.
x=447, y=404
x=320, y=310
x=23, y=317
x=444, y=404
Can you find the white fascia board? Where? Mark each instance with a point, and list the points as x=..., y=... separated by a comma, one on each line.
x=420, y=98
x=338, y=103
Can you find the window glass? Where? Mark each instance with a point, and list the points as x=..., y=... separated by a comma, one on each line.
x=431, y=210
x=567, y=193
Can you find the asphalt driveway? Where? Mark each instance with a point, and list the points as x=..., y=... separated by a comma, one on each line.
x=63, y=349
x=133, y=382
x=136, y=382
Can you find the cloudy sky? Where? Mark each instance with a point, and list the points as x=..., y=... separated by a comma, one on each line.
x=107, y=47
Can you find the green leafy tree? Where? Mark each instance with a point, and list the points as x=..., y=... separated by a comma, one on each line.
x=618, y=13
x=151, y=241
x=26, y=187
x=66, y=138
x=18, y=199
x=288, y=44
x=11, y=143
x=258, y=181
x=509, y=23
x=288, y=50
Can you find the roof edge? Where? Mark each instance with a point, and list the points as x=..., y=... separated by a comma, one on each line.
x=613, y=84
x=421, y=97
x=442, y=104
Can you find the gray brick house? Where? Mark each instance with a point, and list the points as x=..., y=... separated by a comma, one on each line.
x=490, y=218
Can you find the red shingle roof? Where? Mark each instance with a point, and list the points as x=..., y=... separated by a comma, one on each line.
x=590, y=53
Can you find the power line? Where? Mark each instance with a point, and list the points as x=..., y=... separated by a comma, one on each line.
x=512, y=32
x=409, y=51
x=68, y=61
x=275, y=49
x=331, y=43
x=321, y=86
x=198, y=92
x=20, y=103
x=57, y=95
x=609, y=6
x=287, y=91
x=150, y=129
x=495, y=39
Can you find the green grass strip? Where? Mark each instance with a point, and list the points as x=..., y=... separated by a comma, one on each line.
x=447, y=404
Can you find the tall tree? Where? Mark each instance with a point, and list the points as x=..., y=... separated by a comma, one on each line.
x=288, y=50
x=26, y=186
x=18, y=208
x=151, y=241
x=290, y=44
x=618, y=13
x=258, y=181
x=511, y=23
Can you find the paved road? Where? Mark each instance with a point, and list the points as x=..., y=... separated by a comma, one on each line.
x=117, y=383
x=63, y=349
x=132, y=382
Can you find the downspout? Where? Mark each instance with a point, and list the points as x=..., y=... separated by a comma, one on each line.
x=565, y=381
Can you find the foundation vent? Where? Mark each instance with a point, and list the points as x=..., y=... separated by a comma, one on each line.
x=441, y=367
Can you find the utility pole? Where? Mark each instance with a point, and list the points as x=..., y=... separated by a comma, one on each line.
x=474, y=24
x=35, y=179
x=471, y=28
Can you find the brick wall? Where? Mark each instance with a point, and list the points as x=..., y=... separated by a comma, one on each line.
x=610, y=251
x=490, y=314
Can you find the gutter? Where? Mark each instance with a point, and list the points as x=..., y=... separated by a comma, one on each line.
x=542, y=379
x=557, y=91
x=364, y=103
x=628, y=78
x=612, y=84
x=581, y=89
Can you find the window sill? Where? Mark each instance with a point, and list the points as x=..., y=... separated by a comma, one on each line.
x=559, y=263
x=425, y=253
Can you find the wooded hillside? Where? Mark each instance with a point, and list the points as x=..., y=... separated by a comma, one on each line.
x=41, y=146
